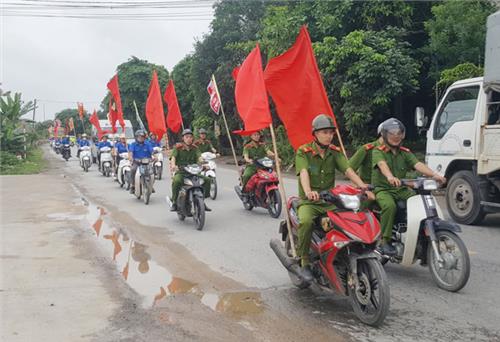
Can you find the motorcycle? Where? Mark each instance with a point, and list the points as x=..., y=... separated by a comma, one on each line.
x=123, y=172
x=106, y=161
x=57, y=147
x=262, y=189
x=85, y=158
x=191, y=200
x=158, y=164
x=342, y=253
x=209, y=171
x=422, y=234
x=66, y=152
x=144, y=180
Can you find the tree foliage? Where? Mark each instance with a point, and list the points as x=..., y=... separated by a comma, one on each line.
x=12, y=108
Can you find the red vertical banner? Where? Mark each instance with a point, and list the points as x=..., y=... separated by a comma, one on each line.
x=117, y=114
x=154, y=109
x=174, y=117
x=215, y=103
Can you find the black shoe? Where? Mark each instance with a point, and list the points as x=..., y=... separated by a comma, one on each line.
x=387, y=248
x=153, y=191
x=305, y=273
x=207, y=208
x=173, y=207
x=132, y=190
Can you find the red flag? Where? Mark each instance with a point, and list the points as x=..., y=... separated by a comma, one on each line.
x=214, y=98
x=295, y=84
x=81, y=111
x=154, y=109
x=71, y=125
x=66, y=127
x=174, y=117
x=56, y=127
x=118, y=113
x=112, y=114
x=250, y=93
x=94, y=120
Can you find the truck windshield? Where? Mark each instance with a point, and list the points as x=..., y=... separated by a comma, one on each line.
x=459, y=105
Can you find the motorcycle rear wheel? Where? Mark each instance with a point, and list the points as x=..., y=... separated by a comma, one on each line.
x=213, y=188
x=274, y=200
x=199, y=212
x=462, y=262
x=367, y=307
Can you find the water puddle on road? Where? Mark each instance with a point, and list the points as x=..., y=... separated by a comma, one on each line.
x=154, y=282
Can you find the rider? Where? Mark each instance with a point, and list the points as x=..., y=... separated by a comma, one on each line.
x=315, y=165
x=138, y=150
x=103, y=143
x=391, y=161
x=65, y=140
x=203, y=144
x=183, y=154
x=254, y=150
x=81, y=143
x=361, y=161
x=119, y=148
x=153, y=140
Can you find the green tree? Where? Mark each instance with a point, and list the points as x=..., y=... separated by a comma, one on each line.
x=458, y=31
x=134, y=77
x=12, y=108
x=459, y=72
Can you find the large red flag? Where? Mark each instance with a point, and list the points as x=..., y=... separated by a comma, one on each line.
x=56, y=127
x=295, y=84
x=117, y=114
x=250, y=94
x=94, y=120
x=154, y=109
x=174, y=117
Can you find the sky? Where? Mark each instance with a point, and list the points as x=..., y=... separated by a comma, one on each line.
x=60, y=61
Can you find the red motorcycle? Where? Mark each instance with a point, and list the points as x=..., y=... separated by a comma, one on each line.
x=262, y=189
x=342, y=253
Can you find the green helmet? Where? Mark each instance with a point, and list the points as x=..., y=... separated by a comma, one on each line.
x=202, y=131
x=322, y=121
x=187, y=131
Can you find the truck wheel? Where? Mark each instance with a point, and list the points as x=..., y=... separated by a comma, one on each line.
x=463, y=198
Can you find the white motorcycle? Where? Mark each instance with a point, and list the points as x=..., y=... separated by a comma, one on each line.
x=123, y=172
x=106, y=161
x=209, y=171
x=85, y=158
x=144, y=180
x=158, y=164
x=422, y=234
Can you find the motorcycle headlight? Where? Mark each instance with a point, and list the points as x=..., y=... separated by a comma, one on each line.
x=193, y=169
x=188, y=181
x=350, y=201
x=429, y=184
x=145, y=161
x=212, y=165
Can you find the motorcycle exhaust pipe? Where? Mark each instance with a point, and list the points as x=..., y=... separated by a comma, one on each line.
x=238, y=192
x=289, y=263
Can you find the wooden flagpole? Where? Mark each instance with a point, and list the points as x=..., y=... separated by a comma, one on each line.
x=281, y=188
x=340, y=140
x=225, y=122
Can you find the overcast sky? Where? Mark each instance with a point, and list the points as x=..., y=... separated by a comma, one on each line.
x=60, y=61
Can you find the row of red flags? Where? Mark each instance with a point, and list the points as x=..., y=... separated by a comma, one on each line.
x=292, y=79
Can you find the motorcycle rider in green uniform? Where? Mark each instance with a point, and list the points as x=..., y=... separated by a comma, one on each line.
x=254, y=150
x=203, y=144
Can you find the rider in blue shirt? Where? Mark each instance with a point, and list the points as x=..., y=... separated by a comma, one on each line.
x=119, y=148
x=138, y=150
x=81, y=143
x=65, y=140
x=153, y=140
x=103, y=143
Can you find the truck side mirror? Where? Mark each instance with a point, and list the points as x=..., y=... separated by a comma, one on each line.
x=420, y=119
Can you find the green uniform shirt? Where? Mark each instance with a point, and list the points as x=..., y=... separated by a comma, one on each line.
x=204, y=145
x=321, y=170
x=255, y=150
x=185, y=155
x=399, y=164
x=361, y=161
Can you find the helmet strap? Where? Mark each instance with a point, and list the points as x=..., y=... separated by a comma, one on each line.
x=322, y=146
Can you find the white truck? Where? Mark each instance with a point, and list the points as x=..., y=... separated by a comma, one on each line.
x=106, y=126
x=463, y=139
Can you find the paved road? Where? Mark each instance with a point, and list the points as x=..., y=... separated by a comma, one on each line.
x=231, y=255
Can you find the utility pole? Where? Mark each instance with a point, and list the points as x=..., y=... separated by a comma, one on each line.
x=44, y=112
x=34, y=108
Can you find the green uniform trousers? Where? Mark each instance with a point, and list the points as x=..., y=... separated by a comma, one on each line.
x=387, y=200
x=250, y=170
x=307, y=212
x=178, y=181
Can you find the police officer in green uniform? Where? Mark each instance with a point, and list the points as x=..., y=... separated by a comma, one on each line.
x=391, y=161
x=183, y=154
x=254, y=150
x=315, y=165
x=361, y=160
x=203, y=144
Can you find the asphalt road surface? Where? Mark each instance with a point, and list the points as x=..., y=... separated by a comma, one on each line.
x=230, y=262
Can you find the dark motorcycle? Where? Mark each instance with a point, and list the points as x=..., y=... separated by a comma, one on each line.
x=342, y=254
x=191, y=199
x=261, y=189
x=57, y=147
x=144, y=180
x=66, y=152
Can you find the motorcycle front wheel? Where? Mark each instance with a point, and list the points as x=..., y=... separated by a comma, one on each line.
x=453, y=273
x=147, y=192
x=126, y=179
x=199, y=212
x=274, y=200
x=370, y=300
x=213, y=188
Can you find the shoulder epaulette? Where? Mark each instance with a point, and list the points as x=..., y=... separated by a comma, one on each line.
x=334, y=148
x=179, y=146
x=404, y=149
x=369, y=147
x=383, y=148
x=249, y=145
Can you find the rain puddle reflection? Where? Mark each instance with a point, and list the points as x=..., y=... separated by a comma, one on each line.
x=154, y=282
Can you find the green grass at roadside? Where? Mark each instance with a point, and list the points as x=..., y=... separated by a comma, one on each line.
x=34, y=163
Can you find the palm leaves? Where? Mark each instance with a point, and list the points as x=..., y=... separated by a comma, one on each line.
x=12, y=108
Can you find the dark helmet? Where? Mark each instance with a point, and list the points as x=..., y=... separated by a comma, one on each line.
x=392, y=126
x=202, y=131
x=140, y=132
x=322, y=121
x=187, y=131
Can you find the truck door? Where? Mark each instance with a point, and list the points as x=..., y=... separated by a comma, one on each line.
x=452, y=135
